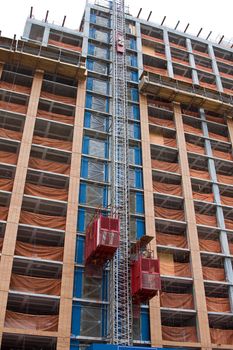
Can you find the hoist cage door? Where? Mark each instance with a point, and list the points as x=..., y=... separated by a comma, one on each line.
x=102, y=239
x=146, y=280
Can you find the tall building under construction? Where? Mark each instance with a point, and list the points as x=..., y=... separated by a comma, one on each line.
x=121, y=130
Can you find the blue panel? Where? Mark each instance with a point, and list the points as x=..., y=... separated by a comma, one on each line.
x=91, y=49
x=79, y=255
x=92, y=33
x=78, y=279
x=134, y=95
x=136, y=113
x=105, y=197
x=132, y=43
x=87, y=120
x=82, y=193
x=90, y=64
x=106, y=172
x=107, y=105
x=134, y=76
x=133, y=61
x=137, y=131
x=140, y=228
x=88, y=101
x=93, y=18
x=137, y=156
x=84, y=168
x=138, y=178
x=89, y=83
x=119, y=347
x=145, y=324
x=106, y=149
x=76, y=316
x=81, y=220
x=139, y=203
x=85, y=149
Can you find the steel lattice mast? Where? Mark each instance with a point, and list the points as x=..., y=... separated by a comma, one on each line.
x=120, y=286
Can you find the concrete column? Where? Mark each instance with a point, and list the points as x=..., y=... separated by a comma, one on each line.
x=65, y=311
x=154, y=304
x=139, y=48
x=192, y=235
x=86, y=30
x=192, y=62
x=215, y=68
x=46, y=36
x=17, y=197
x=27, y=29
x=168, y=54
x=219, y=210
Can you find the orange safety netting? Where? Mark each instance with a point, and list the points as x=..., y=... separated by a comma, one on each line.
x=59, y=98
x=160, y=104
x=223, y=155
x=56, y=143
x=10, y=134
x=52, y=221
x=221, y=336
x=39, y=251
x=3, y=213
x=166, y=213
x=226, y=179
x=162, y=122
x=15, y=87
x=55, y=116
x=174, y=268
x=230, y=247
x=167, y=188
x=8, y=157
x=218, y=137
x=28, y=321
x=213, y=273
x=192, y=129
x=192, y=113
x=65, y=46
x=167, y=166
x=156, y=70
x=14, y=107
x=229, y=224
x=47, y=165
x=169, y=142
x=215, y=119
x=209, y=197
x=176, y=300
x=6, y=184
x=210, y=245
x=195, y=148
x=208, y=220
x=184, y=334
x=201, y=174
x=38, y=285
x=171, y=240
x=45, y=191
x=227, y=200
x=218, y=304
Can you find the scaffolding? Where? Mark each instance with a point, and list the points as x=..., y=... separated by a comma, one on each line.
x=120, y=298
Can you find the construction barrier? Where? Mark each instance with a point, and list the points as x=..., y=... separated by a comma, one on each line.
x=183, y=334
x=52, y=221
x=55, y=116
x=10, y=134
x=49, y=142
x=39, y=251
x=47, y=165
x=27, y=321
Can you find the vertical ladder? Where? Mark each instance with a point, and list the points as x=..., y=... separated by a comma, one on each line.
x=120, y=286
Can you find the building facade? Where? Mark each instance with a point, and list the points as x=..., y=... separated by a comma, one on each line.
x=55, y=173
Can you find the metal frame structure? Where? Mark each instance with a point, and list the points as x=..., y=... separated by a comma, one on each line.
x=120, y=298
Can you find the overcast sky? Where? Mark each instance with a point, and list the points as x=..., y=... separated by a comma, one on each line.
x=210, y=14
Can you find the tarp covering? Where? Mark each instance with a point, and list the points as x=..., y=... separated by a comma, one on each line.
x=215, y=119
x=10, y=134
x=229, y=224
x=218, y=304
x=166, y=213
x=169, y=142
x=22, y=283
x=209, y=245
x=45, y=191
x=167, y=188
x=167, y=166
x=55, y=116
x=209, y=197
x=3, y=213
x=218, y=137
x=176, y=300
x=171, y=240
x=47, y=165
x=6, y=184
x=223, y=155
x=185, y=334
x=39, y=251
x=160, y=104
x=208, y=220
x=15, y=87
x=213, y=273
x=28, y=321
x=171, y=268
x=192, y=129
x=221, y=336
x=192, y=113
x=59, y=98
x=64, y=45
x=8, y=157
x=227, y=200
x=52, y=221
x=163, y=122
x=1, y=244
x=45, y=141
x=201, y=174
x=226, y=179
x=14, y=107
x=160, y=71
x=195, y=148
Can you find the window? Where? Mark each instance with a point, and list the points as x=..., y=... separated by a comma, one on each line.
x=97, y=85
x=99, y=67
x=97, y=103
x=94, y=170
x=37, y=32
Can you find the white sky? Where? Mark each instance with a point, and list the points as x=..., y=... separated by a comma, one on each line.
x=210, y=14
